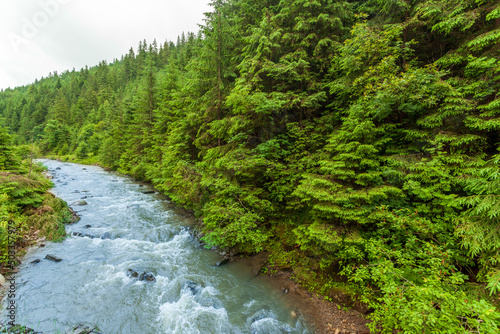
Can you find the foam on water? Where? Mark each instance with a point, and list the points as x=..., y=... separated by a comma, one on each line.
x=186, y=315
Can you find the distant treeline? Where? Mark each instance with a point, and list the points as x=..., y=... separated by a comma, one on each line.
x=356, y=141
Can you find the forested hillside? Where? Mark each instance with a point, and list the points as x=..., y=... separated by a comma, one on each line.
x=356, y=141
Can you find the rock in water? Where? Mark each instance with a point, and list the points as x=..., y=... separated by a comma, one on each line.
x=223, y=262
x=144, y=276
x=79, y=234
x=192, y=287
x=132, y=273
x=106, y=235
x=36, y=261
x=80, y=202
x=2, y=280
x=147, y=277
x=148, y=191
x=53, y=258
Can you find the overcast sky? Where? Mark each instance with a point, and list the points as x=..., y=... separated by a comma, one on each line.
x=40, y=36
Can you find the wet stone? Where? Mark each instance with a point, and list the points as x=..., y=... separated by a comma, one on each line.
x=53, y=258
x=82, y=235
x=36, y=261
x=191, y=287
x=106, y=235
x=147, y=277
x=132, y=273
x=144, y=276
x=223, y=262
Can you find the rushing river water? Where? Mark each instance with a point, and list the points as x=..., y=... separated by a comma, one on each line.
x=147, y=233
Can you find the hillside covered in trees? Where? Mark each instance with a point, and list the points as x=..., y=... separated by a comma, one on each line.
x=356, y=141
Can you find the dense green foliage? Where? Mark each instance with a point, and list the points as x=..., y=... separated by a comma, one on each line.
x=27, y=210
x=357, y=141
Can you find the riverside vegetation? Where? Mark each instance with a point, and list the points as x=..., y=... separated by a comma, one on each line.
x=27, y=211
x=356, y=141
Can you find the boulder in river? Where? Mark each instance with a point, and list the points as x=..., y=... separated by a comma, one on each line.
x=147, y=191
x=191, y=287
x=58, y=168
x=82, y=235
x=2, y=280
x=80, y=202
x=147, y=277
x=132, y=273
x=87, y=226
x=53, y=258
x=223, y=261
x=36, y=261
x=144, y=276
x=106, y=235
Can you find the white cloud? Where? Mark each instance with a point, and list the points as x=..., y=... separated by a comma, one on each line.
x=40, y=36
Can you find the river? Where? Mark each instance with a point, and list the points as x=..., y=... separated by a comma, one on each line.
x=147, y=233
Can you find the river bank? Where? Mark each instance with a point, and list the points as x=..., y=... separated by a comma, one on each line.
x=325, y=316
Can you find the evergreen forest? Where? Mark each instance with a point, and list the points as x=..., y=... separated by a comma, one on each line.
x=355, y=141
